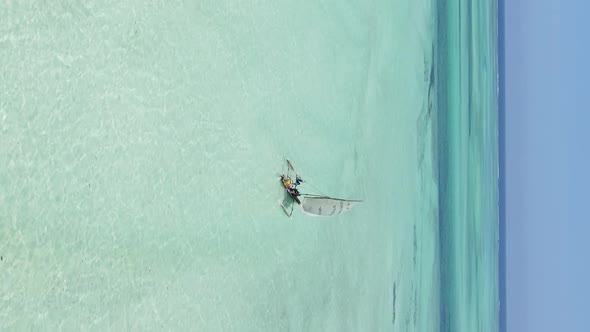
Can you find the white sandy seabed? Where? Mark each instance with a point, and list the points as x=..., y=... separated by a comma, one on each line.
x=139, y=160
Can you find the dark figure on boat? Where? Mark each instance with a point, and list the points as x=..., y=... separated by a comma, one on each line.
x=292, y=187
x=294, y=193
x=298, y=180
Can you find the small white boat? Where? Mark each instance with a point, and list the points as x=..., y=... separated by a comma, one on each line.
x=312, y=204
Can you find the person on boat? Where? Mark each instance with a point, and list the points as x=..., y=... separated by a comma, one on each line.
x=291, y=188
x=287, y=182
x=294, y=193
x=298, y=180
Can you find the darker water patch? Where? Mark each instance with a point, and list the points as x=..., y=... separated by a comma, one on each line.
x=443, y=152
x=415, y=246
x=394, y=297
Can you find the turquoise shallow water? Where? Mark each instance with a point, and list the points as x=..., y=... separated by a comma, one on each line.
x=468, y=165
x=141, y=144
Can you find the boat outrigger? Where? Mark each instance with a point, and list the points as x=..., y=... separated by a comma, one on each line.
x=312, y=204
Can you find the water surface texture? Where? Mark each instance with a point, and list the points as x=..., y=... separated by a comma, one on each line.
x=141, y=142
